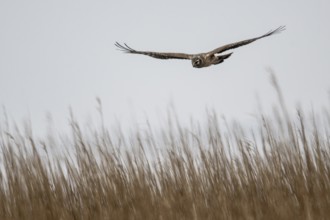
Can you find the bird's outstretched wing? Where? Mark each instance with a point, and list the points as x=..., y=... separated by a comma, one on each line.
x=158, y=55
x=244, y=42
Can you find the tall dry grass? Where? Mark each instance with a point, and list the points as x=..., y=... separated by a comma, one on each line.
x=280, y=170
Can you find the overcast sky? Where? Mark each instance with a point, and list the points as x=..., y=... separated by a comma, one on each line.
x=56, y=54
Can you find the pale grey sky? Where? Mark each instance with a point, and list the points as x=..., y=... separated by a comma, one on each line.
x=56, y=54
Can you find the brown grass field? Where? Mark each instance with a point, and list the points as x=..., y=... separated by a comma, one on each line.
x=216, y=170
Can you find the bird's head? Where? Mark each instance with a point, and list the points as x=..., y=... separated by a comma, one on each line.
x=197, y=62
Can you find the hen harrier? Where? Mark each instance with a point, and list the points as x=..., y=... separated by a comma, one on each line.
x=202, y=59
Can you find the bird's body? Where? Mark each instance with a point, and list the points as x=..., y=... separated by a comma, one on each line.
x=206, y=59
x=200, y=60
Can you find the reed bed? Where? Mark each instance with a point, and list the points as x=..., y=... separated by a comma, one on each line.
x=212, y=170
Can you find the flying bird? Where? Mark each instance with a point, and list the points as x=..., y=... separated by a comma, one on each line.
x=200, y=60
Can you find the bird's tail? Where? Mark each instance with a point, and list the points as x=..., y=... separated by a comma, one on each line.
x=221, y=58
x=225, y=56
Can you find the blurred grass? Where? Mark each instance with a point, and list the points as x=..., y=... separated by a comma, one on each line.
x=280, y=170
